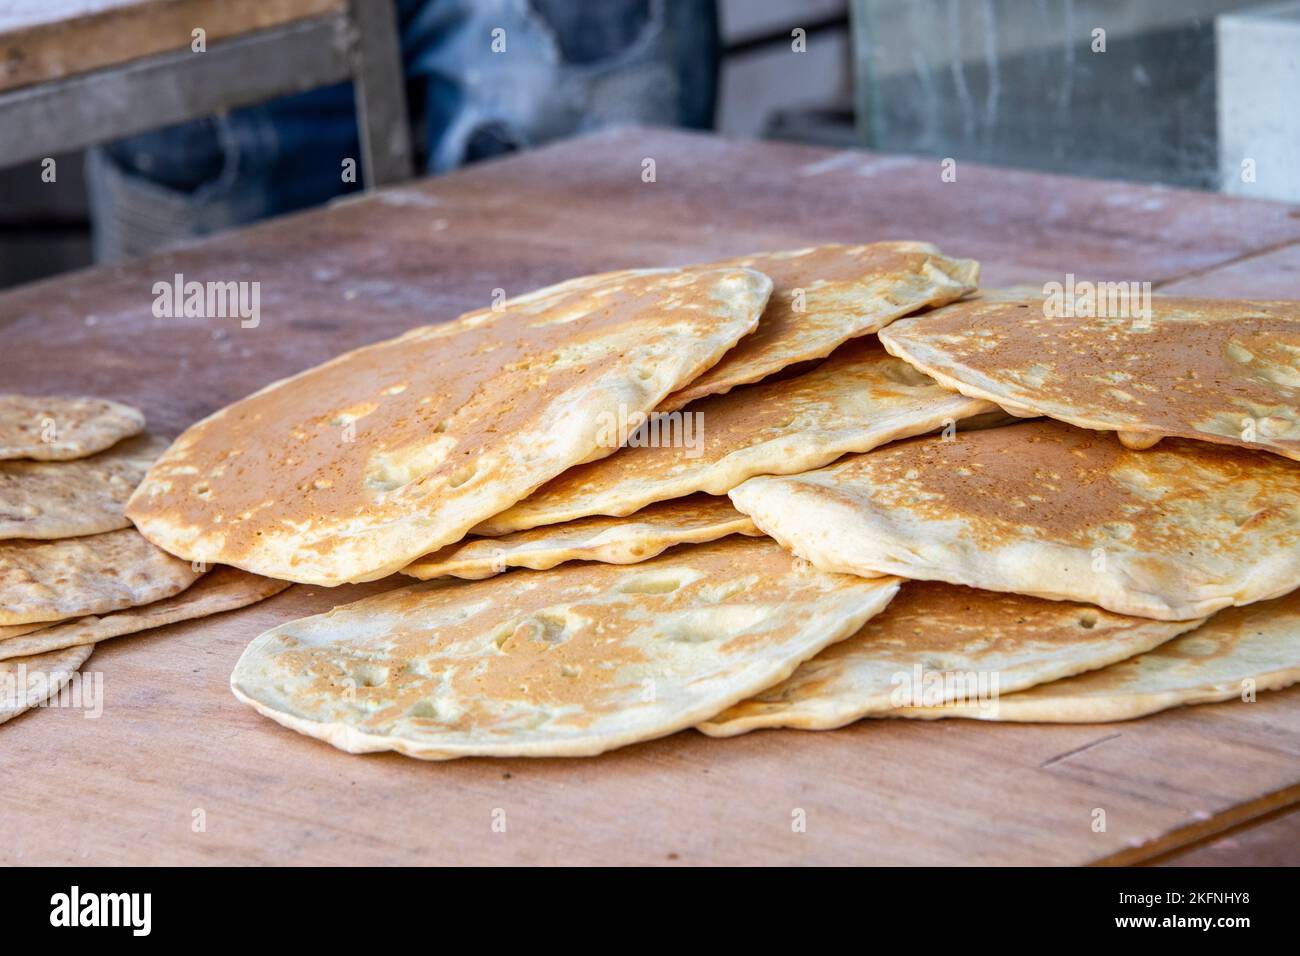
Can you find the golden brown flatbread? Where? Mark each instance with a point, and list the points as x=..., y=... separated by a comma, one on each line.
x=857, y=399
x=59, y=427
x=14, y=630
x=73, y=577
x=638, y=537
x=351, y=470
x=67, y=499
x=27, y=682
x=825, y=295
x=568, y=662
x=1041, y=508
x=940, y=644
x=222, y=589
x=1218, y=370
x=1236, y=655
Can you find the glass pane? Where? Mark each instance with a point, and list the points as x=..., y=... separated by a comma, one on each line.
x=1107, y=88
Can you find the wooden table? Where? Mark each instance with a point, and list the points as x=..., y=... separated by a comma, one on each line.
x=172, y=740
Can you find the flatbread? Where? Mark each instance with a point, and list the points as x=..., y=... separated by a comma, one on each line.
x=859, y=398
x=224, y=589
x=67, y=499
x=1240, y=651
x=57, y=428
x=825, y=295
x=937, y=643
x=1173, y=533
x=638, y=537
x=568, y=662
x=73, y=577
x=14, y=630
x=28, y=681
x=353, y=469
x=1222, y=371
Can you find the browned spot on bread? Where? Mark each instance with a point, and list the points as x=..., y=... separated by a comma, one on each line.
x=1044, y=480
x=568, y=661
x=355, y=467
x=858, y=398
x=843, y=292
x=1222, y=371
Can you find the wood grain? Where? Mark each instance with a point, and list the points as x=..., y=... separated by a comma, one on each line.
x=53, y=39
x=172, y=740
x=1274, y=274
x=1273, y=840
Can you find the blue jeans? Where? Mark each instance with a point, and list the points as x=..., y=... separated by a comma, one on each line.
x=569, y=66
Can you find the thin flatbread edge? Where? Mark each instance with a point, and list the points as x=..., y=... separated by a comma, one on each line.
x=343, y=736
x=59, y=665
x=223, y=589
x=1118, y=708
x=836, y=714
x=609, y=540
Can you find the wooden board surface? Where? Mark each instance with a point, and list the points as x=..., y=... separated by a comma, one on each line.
x=172, y=741
x=1274, y=274
x=1273, y=840
x=50, y=39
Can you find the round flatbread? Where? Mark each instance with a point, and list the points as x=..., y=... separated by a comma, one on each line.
x=57, y=580
x=67, y=499
x=1237, y=654
x=26, y=682
x=351, y=470
x=1222, y=371
x=825, y=295
x=857, y=399
x=638, y=537
x=941, y=643
x=568, y=662
x=223, y=589
x=15, y=630
x=57, y=428
x=1176, y=532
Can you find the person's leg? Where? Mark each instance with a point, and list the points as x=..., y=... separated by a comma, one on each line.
x=154, y=190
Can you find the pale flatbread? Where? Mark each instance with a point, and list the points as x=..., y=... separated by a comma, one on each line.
x=223, y=589
x=67, y=499
x=14, y=630
x=1240, y=652
x=1041, y=508
x=1218, y=370
x=57, y=580
x=826, y=295
x=568, y=662
x=859, y=398
x=939, y=643
x=56, y=428
x=28, y=681
x=353, y=469
x=638, y=537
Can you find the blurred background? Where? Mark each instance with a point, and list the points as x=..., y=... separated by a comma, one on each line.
x=166, y=120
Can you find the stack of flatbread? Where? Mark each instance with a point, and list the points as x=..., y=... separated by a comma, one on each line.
x=786, y=490
x=73, y=571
